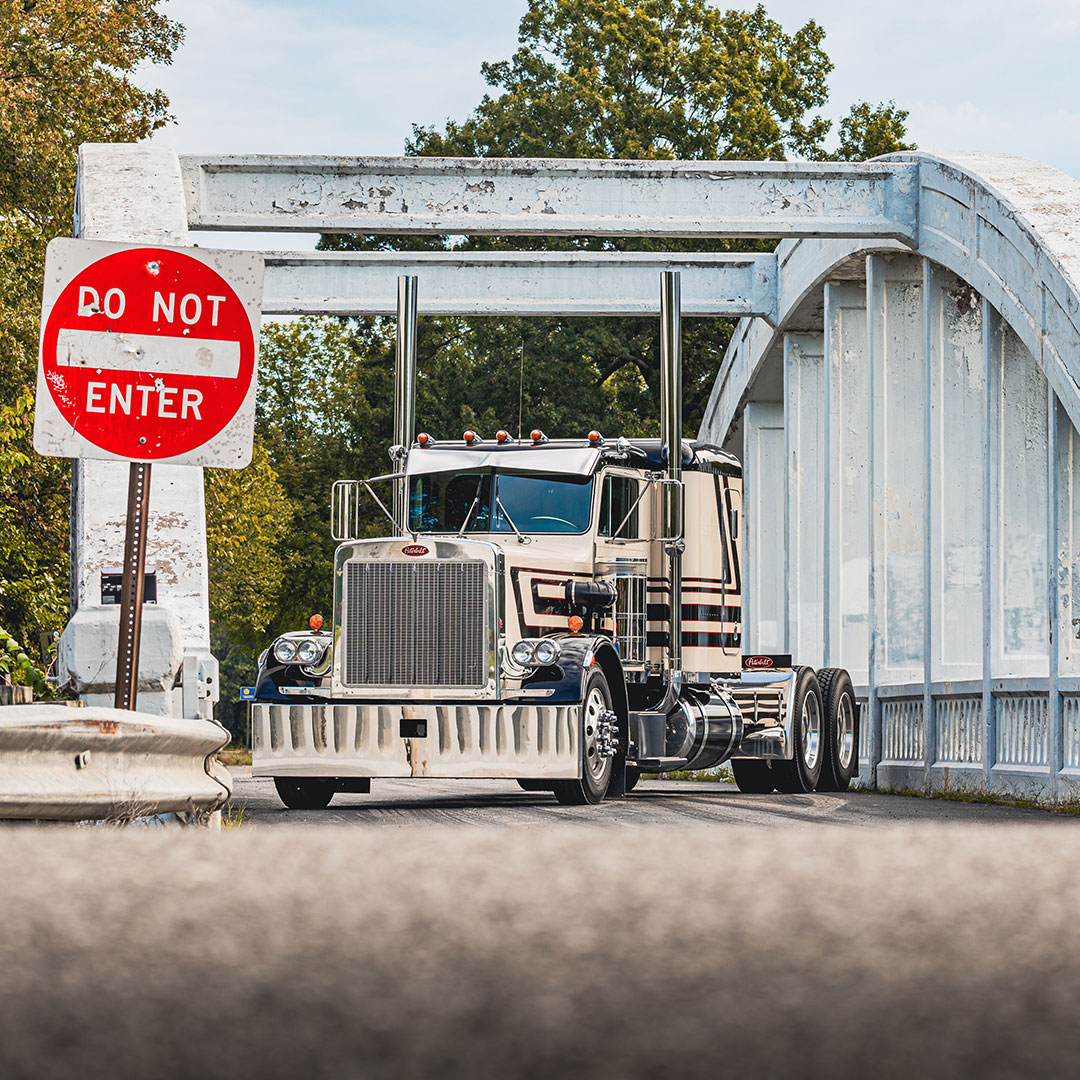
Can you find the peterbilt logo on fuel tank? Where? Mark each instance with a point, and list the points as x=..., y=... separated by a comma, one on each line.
x=758, y=662
x=414, y=549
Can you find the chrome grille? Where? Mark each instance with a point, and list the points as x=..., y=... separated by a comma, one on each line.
x=415, y=623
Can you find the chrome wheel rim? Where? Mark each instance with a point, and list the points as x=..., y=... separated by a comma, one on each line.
x=811, y=730
x=595, y=762
x=845, y=731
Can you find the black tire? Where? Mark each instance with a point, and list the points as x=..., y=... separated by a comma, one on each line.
x=633, y=775
x=841, y=713
x=596, y=770
x=534, y=785
x=304, y=793
x=753, y=777
x=801, y=773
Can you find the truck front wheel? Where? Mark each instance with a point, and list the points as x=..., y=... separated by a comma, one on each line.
x=596, y=763
x=801, y=773
x=304, y=793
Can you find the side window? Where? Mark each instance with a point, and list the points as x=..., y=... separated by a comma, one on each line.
x=618, y=500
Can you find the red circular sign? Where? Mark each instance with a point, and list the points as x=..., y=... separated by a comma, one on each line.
x=148, y=353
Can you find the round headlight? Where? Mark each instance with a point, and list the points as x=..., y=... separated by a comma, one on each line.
x=545, y=652
x=308, y=651
x=522, y=653
x=285, y=651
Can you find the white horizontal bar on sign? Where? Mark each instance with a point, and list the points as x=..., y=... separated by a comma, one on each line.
x=148, y=352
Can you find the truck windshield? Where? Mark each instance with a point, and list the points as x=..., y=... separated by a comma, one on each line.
x=488, y=501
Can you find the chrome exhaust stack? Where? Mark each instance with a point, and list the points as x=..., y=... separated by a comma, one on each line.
x=671, y=451
x=404, y=393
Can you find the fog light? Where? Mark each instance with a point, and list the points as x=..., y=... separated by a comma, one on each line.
x=285, y=651
x=522, y=653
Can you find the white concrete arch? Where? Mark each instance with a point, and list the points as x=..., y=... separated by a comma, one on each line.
x=909, y=427
x=1008, y=226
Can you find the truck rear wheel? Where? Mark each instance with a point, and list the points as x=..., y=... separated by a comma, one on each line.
x=753, y=777
x=304, y=793
x=841, y=760
x=801, y=773
x=596, y=765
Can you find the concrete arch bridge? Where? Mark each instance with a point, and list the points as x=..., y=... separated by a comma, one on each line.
x=904, y=389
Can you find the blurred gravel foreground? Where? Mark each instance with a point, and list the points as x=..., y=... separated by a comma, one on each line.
x=919, y=951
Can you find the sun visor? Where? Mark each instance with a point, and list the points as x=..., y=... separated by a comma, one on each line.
x=579, y=460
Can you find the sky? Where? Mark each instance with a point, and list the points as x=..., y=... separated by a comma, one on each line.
x=334, y=77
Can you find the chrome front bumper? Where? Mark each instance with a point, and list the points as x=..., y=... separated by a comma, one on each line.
x=463, y=741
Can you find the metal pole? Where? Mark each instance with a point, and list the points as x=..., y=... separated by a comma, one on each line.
x=131, y=593
x=671, y=437
x=404, y=388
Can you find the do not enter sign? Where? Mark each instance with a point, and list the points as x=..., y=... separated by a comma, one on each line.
x=148, y=354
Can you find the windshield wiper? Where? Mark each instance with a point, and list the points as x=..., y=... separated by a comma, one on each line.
x=476, y=500
x=517, y=532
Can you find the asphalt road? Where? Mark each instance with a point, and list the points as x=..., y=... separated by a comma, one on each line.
x=399, y=803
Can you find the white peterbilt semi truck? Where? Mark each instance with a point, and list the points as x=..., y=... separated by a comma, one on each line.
x=563, y=612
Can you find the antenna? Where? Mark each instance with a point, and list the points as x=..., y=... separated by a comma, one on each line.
x=521, y=381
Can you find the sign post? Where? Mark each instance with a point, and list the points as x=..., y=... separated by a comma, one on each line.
x=147, y=354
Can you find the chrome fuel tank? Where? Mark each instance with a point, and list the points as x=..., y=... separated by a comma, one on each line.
x=703, y=728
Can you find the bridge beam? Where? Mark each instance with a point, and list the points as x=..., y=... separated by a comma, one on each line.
x=552, y=197
x=517, y=283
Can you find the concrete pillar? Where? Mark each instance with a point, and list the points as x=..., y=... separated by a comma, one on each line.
x=765, y=589
x=847, y=482
x=134, y=193
x=805, y=420
x=896, y=338
x=1019, y=630
x=956, y=505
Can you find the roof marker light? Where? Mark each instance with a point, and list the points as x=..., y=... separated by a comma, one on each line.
x=538, y=437
x=503, y=437
x=472, y=439
x=424, y=439
x=595, y=438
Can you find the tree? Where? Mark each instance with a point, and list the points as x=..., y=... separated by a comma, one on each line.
x=655, y=79
x=66, y=70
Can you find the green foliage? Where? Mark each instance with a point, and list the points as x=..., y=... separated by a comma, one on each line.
x=868, y=131
x=66, y=77
x=247, y=515
x=646, y=79
x=33, y=527
x=16, y=666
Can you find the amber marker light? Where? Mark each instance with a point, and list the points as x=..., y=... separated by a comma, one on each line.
x=423, y=439
x=471, y=438
x=595, y=438
x=502, y=436
x=315, y=622
x=575, y=622
x=538, y=437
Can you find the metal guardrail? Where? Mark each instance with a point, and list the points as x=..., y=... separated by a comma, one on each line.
x=1016, y=736
x=58, y=763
